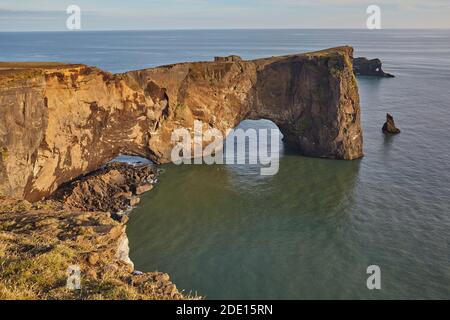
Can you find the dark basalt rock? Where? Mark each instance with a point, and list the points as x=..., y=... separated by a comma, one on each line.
x=365, y=67
x=114, y=188
x=389, y=127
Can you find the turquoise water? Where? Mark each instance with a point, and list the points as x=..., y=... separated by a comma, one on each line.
x=313, y=229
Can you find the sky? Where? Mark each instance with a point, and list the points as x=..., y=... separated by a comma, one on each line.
x=50, y=15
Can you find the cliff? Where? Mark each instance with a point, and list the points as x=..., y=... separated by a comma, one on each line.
x=60, y=121
x=83, y=227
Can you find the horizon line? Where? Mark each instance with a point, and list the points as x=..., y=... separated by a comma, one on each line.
x=220, y=29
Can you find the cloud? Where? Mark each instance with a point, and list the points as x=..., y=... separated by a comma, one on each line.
x=21, y=19
x=27, y=13
x=37, y=20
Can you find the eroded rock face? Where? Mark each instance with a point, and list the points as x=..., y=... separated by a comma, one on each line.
x=60, y=121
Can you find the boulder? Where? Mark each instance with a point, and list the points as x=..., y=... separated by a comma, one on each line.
x=143, y=188
x=134, y=201
x=126, y=195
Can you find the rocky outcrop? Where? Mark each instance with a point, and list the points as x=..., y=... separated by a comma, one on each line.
x=389, y=127
x=114, y=188
x=58, y=122
x=365, y=67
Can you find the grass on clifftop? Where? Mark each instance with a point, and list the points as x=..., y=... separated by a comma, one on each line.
x=39, y=242
x=34, y=270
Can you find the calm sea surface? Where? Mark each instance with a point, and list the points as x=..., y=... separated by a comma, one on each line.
x=312, y=230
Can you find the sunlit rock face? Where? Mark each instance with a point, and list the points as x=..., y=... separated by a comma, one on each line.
x=61, y=121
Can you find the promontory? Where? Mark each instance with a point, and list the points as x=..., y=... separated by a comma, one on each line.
x=60, y=121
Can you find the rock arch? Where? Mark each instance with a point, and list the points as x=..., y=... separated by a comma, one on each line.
x=60, y=121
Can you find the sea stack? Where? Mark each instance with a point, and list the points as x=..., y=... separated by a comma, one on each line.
x=365, y=67
x=389, y=127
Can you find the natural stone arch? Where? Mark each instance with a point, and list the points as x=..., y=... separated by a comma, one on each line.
x=60, y=121
x=313, y=99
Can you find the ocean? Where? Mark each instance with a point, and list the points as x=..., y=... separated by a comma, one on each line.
x=311, y=231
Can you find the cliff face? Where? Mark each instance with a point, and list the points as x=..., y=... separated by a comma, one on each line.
x=60, y=121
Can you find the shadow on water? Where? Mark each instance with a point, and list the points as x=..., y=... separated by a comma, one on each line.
x=388, y=142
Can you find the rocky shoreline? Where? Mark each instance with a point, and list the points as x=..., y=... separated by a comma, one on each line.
x=83, y=225
x=114, y=188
